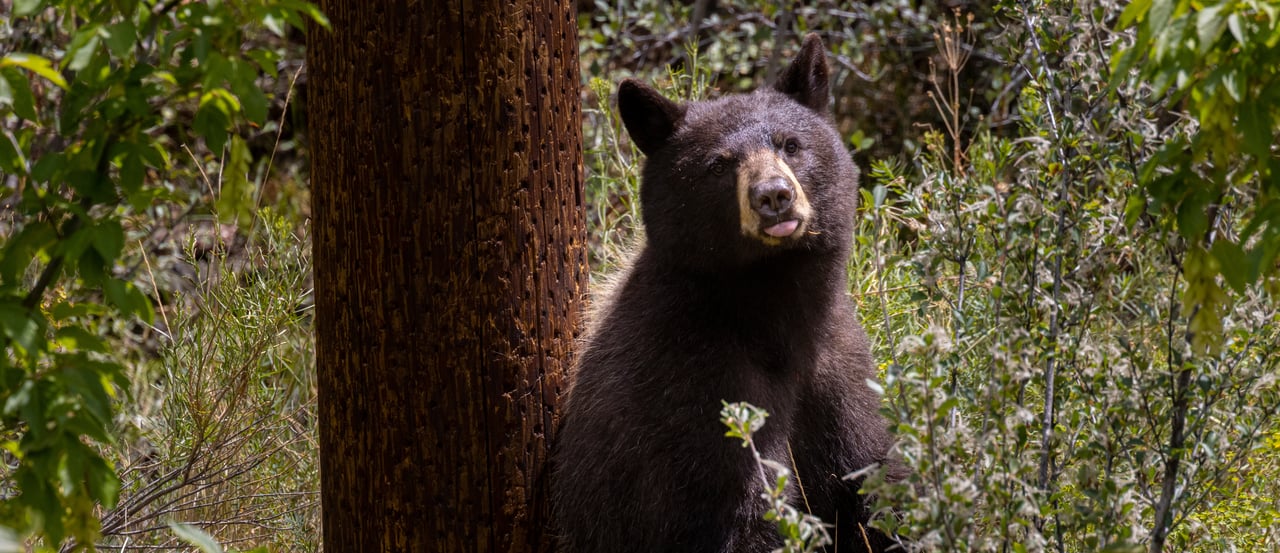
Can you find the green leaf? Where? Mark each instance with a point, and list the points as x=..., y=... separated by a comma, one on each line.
x=19, y=399
x=1121, y=63
x=37, y=65
x=1233, y=23
x=213, y=118
x=11, y=158
x=1209, y=26
x=121, y=38
x=878, y=194
x=1192, y=219
x=1159, y=14
x=103, y=483
x=235, y=201
x=65, y=310
x=1255, y=124
x=40, y=496
x=217, y=70
x=91, y=389
x=1132, y=13
x=1234, y=265
x=266, y=59
x=6, y=91
x=76, y=338
x=311, y=11
x=127, y=297
x=23, y=248
x=196, y=537
x=244, y=83
x=275, y=25
x=23, y=8
x=1134, y=207
x=48, y=166
x=24, y=102
x=108, y=239
x=21, y=327
x=132, y=173
x=254, y=102
x=83, y=46
x=1233, y=83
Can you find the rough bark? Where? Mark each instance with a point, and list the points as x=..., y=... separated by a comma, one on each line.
x=450, y=266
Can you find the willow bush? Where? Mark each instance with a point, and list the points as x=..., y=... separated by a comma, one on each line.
x=1090, y=359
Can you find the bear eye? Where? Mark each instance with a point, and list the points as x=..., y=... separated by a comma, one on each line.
x=719, y=165
x=791, y=146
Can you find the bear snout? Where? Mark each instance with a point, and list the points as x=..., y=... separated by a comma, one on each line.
x=771, y=201
x=772, y=198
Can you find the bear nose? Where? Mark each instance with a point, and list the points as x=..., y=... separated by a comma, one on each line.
x=771, y=198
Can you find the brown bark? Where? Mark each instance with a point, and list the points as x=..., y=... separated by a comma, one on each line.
x=450, y=266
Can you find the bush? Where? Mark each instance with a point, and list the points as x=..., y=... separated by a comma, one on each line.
x=109, y=113
x=1083, y=380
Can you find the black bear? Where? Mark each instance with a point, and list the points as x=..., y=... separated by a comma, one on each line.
x=739, y=293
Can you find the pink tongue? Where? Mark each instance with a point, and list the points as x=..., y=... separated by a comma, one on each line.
x=782, y=229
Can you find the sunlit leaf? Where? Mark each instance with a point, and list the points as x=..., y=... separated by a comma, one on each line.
x=35, y=64
x=21, y=327
x=196, y=537
x=83, y=46
x=23, y=8
x=15, y=87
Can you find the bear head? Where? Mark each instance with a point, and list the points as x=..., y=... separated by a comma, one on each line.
x=740, y=179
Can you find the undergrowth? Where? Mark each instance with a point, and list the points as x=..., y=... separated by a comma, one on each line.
x=222, y=426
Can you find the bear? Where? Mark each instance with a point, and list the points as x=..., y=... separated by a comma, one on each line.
x=739, y=292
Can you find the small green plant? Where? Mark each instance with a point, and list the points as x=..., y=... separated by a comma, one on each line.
x=800, y=531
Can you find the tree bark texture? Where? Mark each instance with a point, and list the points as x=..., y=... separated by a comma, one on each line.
x=450, y=266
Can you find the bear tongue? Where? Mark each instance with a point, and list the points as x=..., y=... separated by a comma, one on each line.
x=782, y=229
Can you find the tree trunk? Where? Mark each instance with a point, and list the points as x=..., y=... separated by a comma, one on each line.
x=450, y=261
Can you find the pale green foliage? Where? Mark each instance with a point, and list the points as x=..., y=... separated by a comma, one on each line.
x=800, y=531
x=1050, y=373
x=612, y=183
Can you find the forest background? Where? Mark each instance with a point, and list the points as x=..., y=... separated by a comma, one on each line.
x=1066, y=257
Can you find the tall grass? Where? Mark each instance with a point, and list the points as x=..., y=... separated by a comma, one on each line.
x=221, y=431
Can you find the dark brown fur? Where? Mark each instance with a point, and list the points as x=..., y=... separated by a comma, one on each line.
x=707, y=313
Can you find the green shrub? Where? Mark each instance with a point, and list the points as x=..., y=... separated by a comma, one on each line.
x=108, y=110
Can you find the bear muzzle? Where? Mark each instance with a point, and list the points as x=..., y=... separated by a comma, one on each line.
x=772, y=200
x=772, y=203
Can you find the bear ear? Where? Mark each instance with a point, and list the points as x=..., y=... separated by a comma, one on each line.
x=649, y=116
x=806, y=79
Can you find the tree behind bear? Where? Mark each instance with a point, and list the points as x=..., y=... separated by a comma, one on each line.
x=450, y=263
